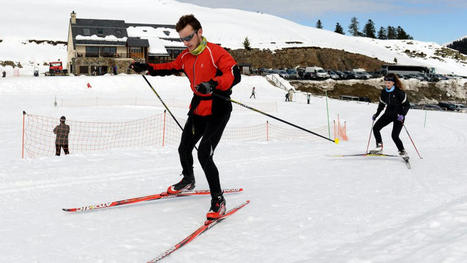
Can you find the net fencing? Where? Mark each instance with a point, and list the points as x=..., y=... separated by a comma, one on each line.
x=158, y=130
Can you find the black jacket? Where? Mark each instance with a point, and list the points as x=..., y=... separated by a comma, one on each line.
x=396, y=102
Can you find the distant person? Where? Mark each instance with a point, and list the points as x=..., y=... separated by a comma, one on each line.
x=61, y=141
x=253, y=93
x=212, y=72
x=3, y=74
x=287, y=96
x=308, y=95
x=290, y=94
x=397, y=105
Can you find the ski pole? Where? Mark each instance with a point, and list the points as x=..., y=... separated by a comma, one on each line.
x=413, y=142
x=276, y=118
x=157, y=94
x=369, y=137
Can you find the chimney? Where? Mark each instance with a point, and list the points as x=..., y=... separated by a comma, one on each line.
x=73, y=17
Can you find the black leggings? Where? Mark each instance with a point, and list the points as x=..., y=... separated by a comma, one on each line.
x=396, y=130
x=210, y=129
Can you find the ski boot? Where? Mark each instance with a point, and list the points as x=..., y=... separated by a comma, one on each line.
x=217, y=208
x=378, y=149
x=186, y=184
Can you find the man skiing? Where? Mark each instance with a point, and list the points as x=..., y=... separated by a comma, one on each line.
x=397, y=105
x=211, y=70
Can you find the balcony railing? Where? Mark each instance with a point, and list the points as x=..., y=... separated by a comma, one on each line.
x=109, y=55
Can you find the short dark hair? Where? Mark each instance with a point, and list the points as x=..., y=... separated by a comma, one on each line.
x=187, y=20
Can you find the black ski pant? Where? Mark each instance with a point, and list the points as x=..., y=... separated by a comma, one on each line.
x=58, y=148
x=396, y=130
x=209, y=129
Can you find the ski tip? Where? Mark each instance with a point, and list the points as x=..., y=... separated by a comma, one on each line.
x=67, y=209
x=336, y=140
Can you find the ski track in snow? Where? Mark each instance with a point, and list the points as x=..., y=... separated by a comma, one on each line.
x=305, y=205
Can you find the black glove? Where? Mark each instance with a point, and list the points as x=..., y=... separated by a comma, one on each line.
x=374, y=116
x=206, y=87
x=139, y=67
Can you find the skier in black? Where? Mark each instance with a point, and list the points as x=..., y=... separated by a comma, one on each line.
x=397, y=105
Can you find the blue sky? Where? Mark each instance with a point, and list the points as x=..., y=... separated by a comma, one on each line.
x=430, y=20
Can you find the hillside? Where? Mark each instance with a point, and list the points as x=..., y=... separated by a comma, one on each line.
x=228, y=27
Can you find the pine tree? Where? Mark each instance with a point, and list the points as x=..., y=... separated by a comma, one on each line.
x=369, y=29
x=246, y=44
x=382, y=33
x=353, y=27
x=318, y=24
x=339, y=29
x=392, y=32
x=401, y=34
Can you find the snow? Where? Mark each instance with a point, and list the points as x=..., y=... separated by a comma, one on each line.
x=111, y=38
x=306, y=206
x=229, y=27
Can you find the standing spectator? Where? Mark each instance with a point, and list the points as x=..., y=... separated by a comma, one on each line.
x=308, y=95
x=3, y=74
x=253, y=93
x=287, y=96
x=61, y=141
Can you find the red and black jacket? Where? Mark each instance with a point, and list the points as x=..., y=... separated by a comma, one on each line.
x=214, y=63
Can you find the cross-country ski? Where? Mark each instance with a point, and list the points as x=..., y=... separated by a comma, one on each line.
x=145, y=198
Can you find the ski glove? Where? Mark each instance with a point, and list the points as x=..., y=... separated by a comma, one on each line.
x=139, y=67
x=206, y=87
x=400, y=117
x=374, y=116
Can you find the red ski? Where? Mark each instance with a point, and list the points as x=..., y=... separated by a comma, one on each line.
x=162, y=195
x=207, y=225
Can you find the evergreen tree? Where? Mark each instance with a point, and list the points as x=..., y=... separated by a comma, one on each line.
x=392, y=32
x=353, y=27
x=318, y=24
x=401, y=34
x=339, y=29
x=460, y=45
x=369, y=29
x=382, y=33
x=246, y=44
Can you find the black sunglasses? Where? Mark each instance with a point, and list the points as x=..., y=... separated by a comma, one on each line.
x=189, y=37
x=389, y=79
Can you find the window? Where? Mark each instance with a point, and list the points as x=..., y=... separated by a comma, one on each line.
x=136, y=50
x=108, y=51
x=92, y=51
x=86, y=32
x=83, y=69
x=100, y=31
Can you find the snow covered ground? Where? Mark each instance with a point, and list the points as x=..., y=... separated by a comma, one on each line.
x=306, y=206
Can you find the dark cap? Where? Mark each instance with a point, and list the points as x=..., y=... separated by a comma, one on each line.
x=62, y=118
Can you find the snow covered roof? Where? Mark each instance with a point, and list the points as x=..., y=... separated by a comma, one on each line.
x=159, y=38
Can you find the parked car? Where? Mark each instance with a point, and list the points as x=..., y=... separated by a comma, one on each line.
x=432, y=107
x=333, y=74
x=283, y=74
x=293, y=74
x=362, y=75
x=447, y=106
x=318, y=71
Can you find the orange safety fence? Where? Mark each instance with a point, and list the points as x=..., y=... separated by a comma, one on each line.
x=158, y=130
